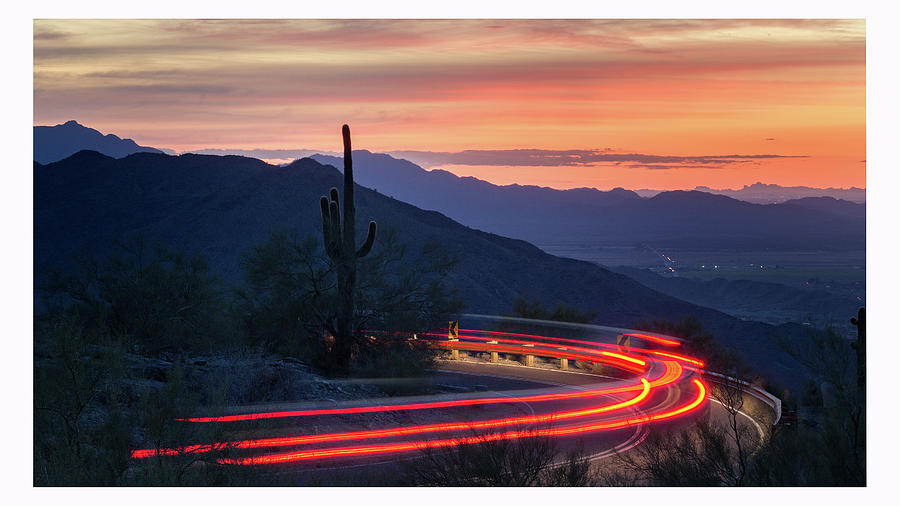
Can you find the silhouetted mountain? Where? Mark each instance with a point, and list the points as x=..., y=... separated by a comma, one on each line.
x=831, y=205
x=54, y=143
x=679, y=219
x=760, y=193
x=221, y=207
x=273, y=156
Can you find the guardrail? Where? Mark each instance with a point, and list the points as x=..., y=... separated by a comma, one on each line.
x=766, y=398
x=773, y=402
x=529, y=352
x=558, y=324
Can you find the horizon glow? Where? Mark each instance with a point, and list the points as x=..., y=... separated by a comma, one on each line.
x=672, y=88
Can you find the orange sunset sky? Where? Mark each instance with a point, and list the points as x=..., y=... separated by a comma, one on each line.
x=663, y=104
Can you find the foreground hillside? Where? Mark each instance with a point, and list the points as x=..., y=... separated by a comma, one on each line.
x=220, y=207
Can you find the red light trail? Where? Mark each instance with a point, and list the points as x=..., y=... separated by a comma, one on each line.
x=403, y=431
x=673, y=372
x=654, y=339
x=281, y=458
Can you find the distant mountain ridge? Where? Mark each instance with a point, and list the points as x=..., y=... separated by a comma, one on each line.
x=220, y=207
x=54, y=143
x=675, y=219
x=761, y=193
x=549, y=218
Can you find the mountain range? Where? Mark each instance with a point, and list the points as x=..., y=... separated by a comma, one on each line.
x=761, y=193
x=221, y=207
x=619, y=217
x=53, y=143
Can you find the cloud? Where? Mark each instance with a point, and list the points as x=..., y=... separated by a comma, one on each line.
x=49, y=34
x=676, y=86
x=576, y=157
x=656, y=166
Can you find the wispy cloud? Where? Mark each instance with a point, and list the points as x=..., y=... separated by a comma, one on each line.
x=575, y=157
x=643, y=86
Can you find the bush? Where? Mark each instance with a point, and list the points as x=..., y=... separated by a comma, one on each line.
x=289, y=300
x=156, y=300
x=82, y=429
x=393, y=357
x=560, y=312
x=699, y=343
x=521, y=462
x=700, y=456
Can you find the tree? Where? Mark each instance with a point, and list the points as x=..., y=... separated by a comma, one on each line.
x=699, y=343
x=729, y=392
x=152, y=298
x=840, y=438
x=290, y=296
x=289, y=286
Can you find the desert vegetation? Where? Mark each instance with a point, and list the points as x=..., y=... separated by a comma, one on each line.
x=127, y=344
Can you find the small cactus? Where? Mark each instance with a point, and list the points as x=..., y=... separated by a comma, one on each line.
x=340, y=245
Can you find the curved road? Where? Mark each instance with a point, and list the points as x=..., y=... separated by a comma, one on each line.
x=651, y=383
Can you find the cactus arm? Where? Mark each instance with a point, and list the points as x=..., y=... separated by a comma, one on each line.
x=370, y=239
x=327, y=236
x=334, y=213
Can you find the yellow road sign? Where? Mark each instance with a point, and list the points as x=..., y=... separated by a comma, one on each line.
x=623, y=341
x=454, y=330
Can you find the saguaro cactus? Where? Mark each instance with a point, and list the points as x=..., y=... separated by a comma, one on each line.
x=340, y=245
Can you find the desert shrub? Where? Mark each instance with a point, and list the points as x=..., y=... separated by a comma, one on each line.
x=82, y=428
x=830, y=452
x=575, y=471
x=699, y=343
x=839, y=440
x=499, y=463
x=811, y=395
x=700, y=456
x=89, y=417
x=520, y=462
x=535, y=310
x=159, y=425
x=288, y=301
x=154, y=299
x=393, y=357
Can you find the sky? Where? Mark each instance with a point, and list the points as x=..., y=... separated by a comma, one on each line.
x=663, y=104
